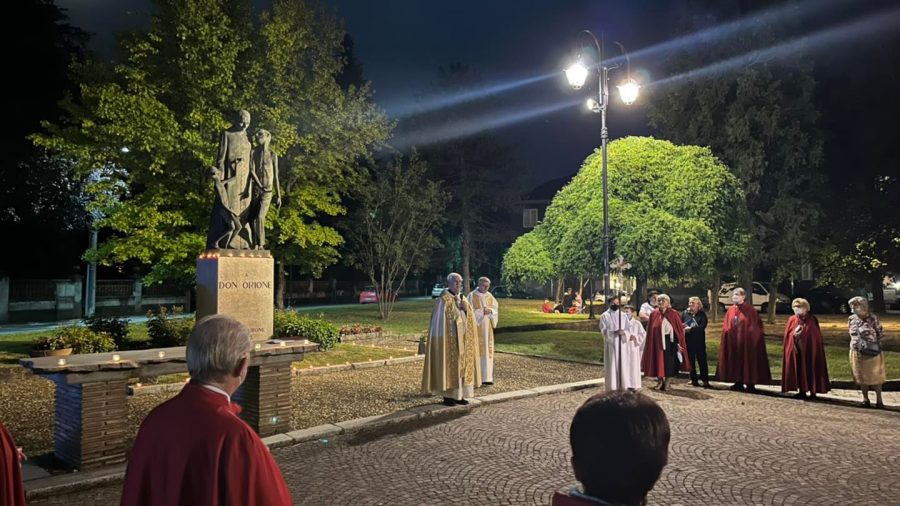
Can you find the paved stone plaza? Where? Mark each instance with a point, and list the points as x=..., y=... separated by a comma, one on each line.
x=727, y=448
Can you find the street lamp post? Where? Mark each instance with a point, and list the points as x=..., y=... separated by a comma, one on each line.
x=577, y=74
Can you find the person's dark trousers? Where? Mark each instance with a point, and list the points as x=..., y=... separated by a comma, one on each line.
x=696, y=344
x=696, y=348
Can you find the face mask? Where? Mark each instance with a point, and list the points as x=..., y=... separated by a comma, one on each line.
x=799, y=311
x=614, y=307
x=737, y=299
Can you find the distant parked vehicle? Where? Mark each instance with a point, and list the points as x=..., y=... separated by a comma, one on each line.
x=370, y=296
x=760, y=298
x=437, y=290
x=501, y=292
x=826, y=300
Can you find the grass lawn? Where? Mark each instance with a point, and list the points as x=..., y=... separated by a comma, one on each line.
x=412, y=316
x=344, y=353
x=586, y=346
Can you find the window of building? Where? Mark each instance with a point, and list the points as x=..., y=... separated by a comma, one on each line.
x=529, y=218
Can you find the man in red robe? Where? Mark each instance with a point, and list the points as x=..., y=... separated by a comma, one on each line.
x=194, y=449
x=742, y=350
x=12, y=492
x=665, y=346
x=804, y=367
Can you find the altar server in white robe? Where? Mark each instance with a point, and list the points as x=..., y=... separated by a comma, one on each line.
x=624, y=342
x=487, y=314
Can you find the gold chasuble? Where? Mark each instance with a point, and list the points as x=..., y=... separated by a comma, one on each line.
x=452, y=365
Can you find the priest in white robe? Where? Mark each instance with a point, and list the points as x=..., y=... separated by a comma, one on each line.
x=487, y=313
x=452, y=356
x=623, y=344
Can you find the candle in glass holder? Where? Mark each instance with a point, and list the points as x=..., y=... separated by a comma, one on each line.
x=161, y=354
x=257, y=346
x=116, y=357
x=61, y=361
x=282, y=343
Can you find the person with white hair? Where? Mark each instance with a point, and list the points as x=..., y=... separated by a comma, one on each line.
x=866, y=358
x=193, y=448
x=452, y=356
x=487, y=314
x=742, y=348
x=666, y=347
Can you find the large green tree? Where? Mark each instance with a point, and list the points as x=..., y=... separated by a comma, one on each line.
x=676, y=213
x=528, y=260
x=176, y=86
x=756, y=111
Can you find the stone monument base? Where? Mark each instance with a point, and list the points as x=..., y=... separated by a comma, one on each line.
x=238, y=283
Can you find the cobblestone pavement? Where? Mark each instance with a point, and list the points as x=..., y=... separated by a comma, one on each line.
x=727, y=448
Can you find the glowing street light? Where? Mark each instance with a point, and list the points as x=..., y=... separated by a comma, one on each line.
x=577, y=75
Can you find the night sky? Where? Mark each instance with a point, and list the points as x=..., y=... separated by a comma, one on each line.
x=401, y=43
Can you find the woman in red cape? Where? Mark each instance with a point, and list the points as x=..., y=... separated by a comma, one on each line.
x=657, y=361
x=804, y=367
x=742, y=350
x=12, y=492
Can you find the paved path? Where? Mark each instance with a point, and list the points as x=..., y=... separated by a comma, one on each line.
x=727, y=448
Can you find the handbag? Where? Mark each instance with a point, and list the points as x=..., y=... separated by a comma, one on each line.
x=868, y=348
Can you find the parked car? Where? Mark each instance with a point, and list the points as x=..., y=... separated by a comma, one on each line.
x=760, y=298
x=826, y=300
x=437, y=290
x=502, y=292
x=370, y=296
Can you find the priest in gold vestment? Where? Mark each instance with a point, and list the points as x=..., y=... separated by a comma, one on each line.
x=452, y=357
x=487, y=313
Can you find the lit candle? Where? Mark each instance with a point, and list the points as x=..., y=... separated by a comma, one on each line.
x=61, y=361
x=116, y=357
x=137, y=385
x=162, y=354
x=282, y=344
x=306, y=341
x=257, y=346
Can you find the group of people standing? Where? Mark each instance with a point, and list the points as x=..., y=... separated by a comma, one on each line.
x=660, y=342
x=459, y=356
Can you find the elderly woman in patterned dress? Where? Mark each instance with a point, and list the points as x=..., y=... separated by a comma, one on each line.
x=866, y=334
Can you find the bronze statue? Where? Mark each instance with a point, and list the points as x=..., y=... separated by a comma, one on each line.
x=264, y=177
x=229, y=224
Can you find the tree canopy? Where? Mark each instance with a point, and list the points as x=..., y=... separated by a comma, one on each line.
x=154, y=117
x=676, y=212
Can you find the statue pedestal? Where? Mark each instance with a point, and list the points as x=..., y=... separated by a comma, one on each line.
x=238, y=283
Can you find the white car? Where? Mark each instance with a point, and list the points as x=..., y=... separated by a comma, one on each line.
x=437, y=290
x=760, y=298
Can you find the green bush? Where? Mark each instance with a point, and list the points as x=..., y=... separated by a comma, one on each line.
x=51, y=342
x=165, y=331
x=290, y=324
x=116, y=328
x=84, y=340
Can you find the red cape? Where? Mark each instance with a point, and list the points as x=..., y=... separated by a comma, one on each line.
x=12, y=492
x=742, y=350
x=652, y=362
x=193, y=449
x=810, y=373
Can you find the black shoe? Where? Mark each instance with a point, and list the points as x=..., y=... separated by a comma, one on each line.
x=449, y=402
x=751, y=389
x=462, y=402
x=695, y=383
x=737, y=387
x=487, y=383
x=799, y=395
x=706, y=384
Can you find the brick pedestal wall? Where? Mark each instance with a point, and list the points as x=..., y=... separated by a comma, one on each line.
x=265, y=399
x=90, y=423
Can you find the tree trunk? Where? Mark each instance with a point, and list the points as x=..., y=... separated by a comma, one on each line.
x=280, y=281
x=466, y=253
x=714, y=297
x=559, y=289
x=640, y=292
x=877, y=286
x=773, y=300
x=745, y=281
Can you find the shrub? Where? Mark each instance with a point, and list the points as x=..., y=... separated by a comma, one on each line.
x=166, y=331
x=84, y=340
x=116, y=328
x=51, y=342
x=357, y=328
x=317, y=330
